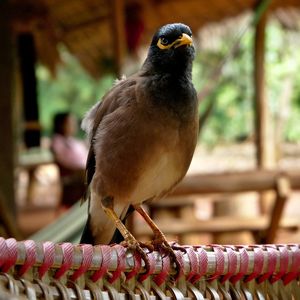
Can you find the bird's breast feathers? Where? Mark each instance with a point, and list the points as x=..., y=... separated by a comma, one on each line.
x=145, y=157
x=158, y=176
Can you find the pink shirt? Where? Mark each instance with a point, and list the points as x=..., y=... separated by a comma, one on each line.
x=69, y=152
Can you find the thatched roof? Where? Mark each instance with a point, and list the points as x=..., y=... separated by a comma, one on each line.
x=87, y=27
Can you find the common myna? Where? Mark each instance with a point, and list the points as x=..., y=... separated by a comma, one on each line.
x=142, y=138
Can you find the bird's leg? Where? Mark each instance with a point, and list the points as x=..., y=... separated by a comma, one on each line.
x=159, y=241
x=130, y=241
x=159, y=237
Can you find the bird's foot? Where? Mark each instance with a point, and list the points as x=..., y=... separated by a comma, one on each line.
x=147, y=245
x=135, y=246
x=176, y=246
x=161, y=244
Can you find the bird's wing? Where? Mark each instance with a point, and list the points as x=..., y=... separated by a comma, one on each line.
x=109, y=103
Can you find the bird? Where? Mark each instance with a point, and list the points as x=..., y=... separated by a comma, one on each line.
x=142, y=138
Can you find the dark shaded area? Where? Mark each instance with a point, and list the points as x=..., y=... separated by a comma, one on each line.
x=27, y=59
x=7, y=110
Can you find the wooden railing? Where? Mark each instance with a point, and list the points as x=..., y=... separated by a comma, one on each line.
x=281, y=182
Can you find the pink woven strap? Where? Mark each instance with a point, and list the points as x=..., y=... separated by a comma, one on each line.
x=284, y=264
x=106, y=258
x=30, y=257
x=267, y=259
x=258, y=263
x=220, y=262
x=243, y=267
x=165, y=271
x=179, y=257
x=87, y=258
x=48, y=260
x=67, y=251
x=193, y=263
x=121, y=252
x=295, y=265
x=11, y=254
x=272, y=261
x=3, y=252
x=137, y=266
x=232, y=263
x=151, y=259
x=202, y=264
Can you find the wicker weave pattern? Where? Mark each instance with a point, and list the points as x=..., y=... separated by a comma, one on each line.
x=64, y=271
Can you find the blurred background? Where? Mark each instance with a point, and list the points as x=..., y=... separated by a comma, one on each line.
x=59, y=57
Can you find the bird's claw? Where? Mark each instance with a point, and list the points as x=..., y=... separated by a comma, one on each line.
x=169, y=250
x=147, y=245
x=159, y=244
x=135, y=246
x=176, y=246
x=162, y=245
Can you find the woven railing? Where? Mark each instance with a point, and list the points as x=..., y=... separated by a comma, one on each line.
x=65, y=271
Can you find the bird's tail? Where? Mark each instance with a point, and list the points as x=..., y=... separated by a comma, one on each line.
x=86, y=236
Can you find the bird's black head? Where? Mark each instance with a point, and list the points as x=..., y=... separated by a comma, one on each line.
x=171, y=49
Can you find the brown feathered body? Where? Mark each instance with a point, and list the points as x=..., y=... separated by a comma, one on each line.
x=143, y=134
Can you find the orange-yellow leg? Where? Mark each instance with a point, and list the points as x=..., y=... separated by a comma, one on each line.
x=159, y=237
x=129, y=239
x=159, y=241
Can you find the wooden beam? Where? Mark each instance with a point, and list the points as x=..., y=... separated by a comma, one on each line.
x=71, y=28
x=215, y=225
x=118, y=34
x=236, y=182
x=7, y=110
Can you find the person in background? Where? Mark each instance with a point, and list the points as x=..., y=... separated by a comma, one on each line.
x=70, y=155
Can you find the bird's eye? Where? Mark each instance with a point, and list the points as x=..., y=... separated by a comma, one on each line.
x=164, y=41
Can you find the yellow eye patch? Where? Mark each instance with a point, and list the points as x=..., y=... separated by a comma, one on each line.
x=184, y=39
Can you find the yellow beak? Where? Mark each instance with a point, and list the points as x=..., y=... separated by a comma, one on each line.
x=185, y=39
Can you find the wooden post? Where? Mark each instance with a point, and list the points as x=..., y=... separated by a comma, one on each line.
x=264, y=134
x=7, y=110
x=283, y=191
x=119, y=34
x=7, y=220
x=260, y=97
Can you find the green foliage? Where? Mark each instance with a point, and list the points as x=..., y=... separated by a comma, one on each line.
x=232, y=115
x=72, y=90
